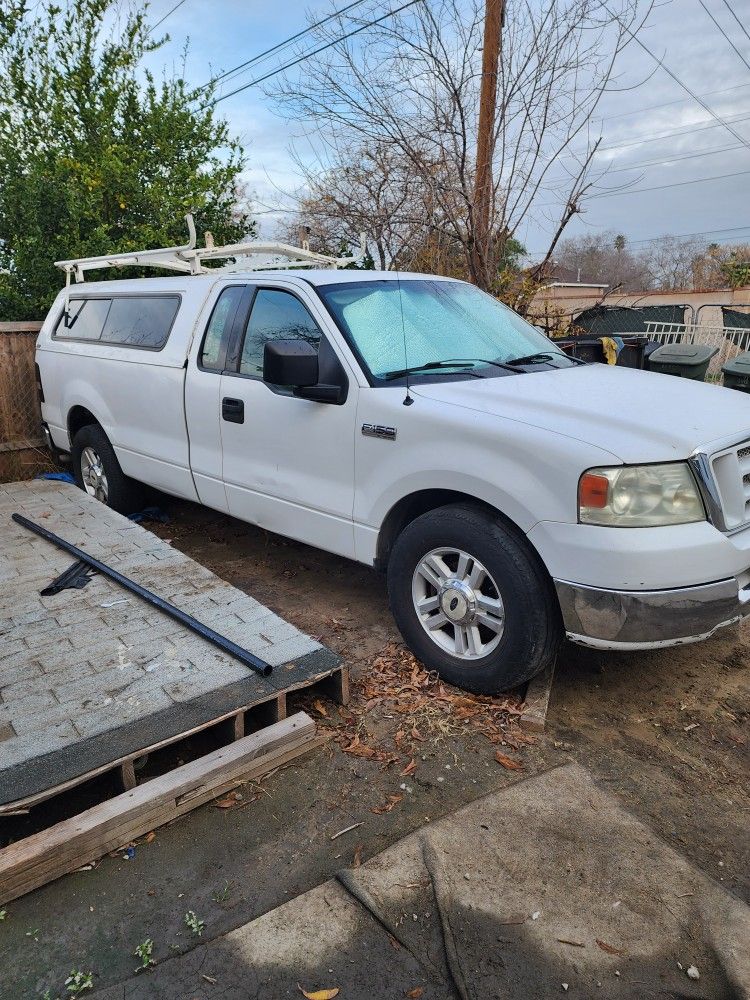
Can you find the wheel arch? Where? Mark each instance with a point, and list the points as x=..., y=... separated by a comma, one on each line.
x=78, y=417
x=412, y=506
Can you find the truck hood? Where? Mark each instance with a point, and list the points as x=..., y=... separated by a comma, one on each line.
x=636, y=416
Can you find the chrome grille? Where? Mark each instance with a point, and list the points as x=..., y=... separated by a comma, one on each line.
x=731, y=472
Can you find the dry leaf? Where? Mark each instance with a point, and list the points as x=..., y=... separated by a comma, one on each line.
x=409, y=769
x=416, y=993
x=320, y=707
x=394, y=943
x=393, y=800
x=508, y=762
x=149, y=838
x=357, y=856
x=609, y=948
x=228, y=801
x=320, y=994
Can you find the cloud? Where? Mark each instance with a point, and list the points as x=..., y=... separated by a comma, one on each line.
x=228, y=32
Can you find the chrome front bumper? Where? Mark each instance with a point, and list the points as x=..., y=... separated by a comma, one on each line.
x=643, y=619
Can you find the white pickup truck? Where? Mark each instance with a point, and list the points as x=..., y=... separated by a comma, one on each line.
x=415, y=424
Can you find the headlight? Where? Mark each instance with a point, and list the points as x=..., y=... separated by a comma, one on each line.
x=639, y=496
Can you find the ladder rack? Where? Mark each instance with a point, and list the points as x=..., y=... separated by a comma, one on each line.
x=188, y=259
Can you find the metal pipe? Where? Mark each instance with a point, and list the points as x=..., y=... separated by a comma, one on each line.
x=243, y=655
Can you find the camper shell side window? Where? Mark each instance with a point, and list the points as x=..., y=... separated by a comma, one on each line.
x=141, y=321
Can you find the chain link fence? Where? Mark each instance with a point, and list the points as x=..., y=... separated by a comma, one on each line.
x=22, y=451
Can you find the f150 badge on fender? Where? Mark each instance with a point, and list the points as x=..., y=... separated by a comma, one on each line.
x=379, y=431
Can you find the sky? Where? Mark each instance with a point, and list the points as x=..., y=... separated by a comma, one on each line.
x=680, y=33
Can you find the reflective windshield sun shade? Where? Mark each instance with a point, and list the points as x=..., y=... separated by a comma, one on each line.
x=397, y=324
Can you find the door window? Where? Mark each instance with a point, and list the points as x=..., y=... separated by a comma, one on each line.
x=275, y=315
x=213, y=348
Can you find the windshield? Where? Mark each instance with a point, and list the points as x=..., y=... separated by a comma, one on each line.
x=394, y=325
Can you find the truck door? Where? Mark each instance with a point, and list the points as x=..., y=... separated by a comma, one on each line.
x=203, y=394
x=288, y=463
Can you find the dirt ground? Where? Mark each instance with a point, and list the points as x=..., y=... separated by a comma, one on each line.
x=665, y=731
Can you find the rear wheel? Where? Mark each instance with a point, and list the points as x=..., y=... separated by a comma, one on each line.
x=471, y=599
x=98, y=472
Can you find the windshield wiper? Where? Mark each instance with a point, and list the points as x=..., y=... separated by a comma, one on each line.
x=462, y=364
x=530, y=359
x=541, y=356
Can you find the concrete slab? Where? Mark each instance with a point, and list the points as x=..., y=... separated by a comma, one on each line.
x=544, y=889
x=87, y=676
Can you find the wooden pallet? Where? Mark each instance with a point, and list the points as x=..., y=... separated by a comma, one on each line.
x=51, y=853
x=266, y=711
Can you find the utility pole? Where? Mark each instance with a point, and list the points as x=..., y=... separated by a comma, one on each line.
x=483, y=184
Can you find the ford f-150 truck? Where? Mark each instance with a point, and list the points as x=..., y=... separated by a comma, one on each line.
x=413, y=423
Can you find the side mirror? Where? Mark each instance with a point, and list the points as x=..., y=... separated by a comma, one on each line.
x=290, y=362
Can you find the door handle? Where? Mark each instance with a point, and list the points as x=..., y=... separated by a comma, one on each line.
x=233, y=410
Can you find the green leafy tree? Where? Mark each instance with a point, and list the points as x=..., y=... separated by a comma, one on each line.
x=96, y=156
x=736, y=269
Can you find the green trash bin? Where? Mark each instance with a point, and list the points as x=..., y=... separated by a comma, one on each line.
x=685, y=360
x=737, y=372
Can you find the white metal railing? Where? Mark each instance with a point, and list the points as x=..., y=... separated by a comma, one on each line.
x=730, y=340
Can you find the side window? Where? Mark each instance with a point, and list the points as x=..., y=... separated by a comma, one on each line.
x=214, y=343
x=140, y=320
x=276, y=315
x=85, y=320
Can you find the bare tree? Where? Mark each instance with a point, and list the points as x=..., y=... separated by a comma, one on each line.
x=410, y=85
x=602, y=257
x=672, y=261
x=375, y=194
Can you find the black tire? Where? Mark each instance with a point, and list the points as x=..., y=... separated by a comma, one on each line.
x=532, y=629
x=124, y=495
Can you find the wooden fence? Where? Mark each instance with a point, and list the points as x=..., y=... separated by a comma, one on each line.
x=22, y=451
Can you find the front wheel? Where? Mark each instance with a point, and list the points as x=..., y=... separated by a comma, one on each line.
x=471, y=599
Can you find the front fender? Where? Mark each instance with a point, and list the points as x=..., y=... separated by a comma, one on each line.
x=527, y=473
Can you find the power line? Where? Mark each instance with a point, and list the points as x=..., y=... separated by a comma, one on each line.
x=673, y=159
x=707, y=232
x=731, y=11
x=668, y=135
x=315, y=52
x=664, y=187
x=281, y=45
x=676, y=79
x=677, y=236
x=153, y=27
x=669, y=104
x=723, y=32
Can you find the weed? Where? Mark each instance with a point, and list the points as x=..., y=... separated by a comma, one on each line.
x=144, y=952
x=194, y=923
x=221, y=895
x=79, y=981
